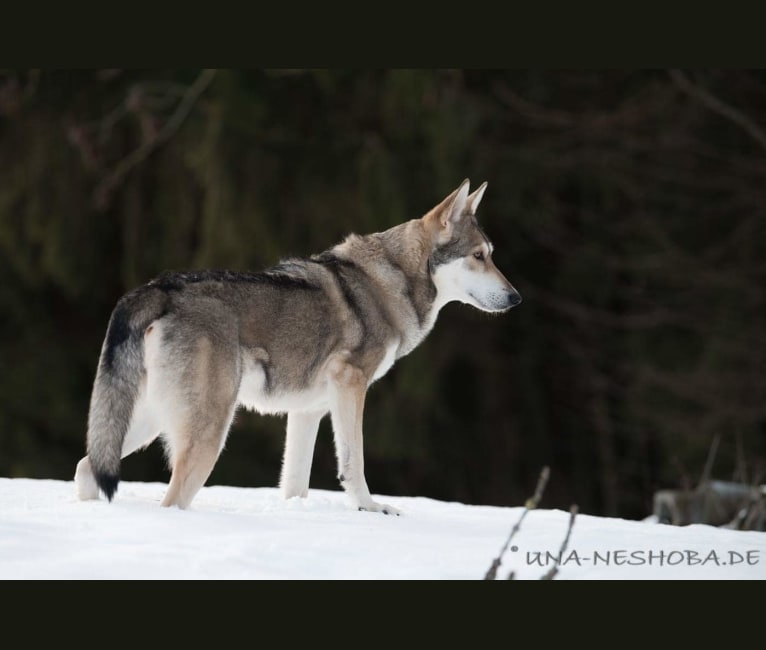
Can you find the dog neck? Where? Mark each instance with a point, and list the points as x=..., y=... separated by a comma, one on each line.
x=397, y=260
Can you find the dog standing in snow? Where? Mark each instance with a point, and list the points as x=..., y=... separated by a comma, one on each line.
x=306, y=338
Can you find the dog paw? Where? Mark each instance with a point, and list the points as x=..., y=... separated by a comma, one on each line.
x=85, y=483
x=380, y=507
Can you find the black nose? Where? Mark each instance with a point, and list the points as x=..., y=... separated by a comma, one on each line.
x=514, y=297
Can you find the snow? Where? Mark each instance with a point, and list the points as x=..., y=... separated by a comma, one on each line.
x=251, y=533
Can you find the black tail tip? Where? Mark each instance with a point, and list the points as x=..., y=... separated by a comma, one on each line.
x=108, y=484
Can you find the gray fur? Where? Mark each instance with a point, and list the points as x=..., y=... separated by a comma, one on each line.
x=305, y=337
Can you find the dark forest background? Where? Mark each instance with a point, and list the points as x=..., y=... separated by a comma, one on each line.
x=626, y=206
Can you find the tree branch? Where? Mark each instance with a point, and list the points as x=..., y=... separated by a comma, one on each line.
x=107, y=186
x=718, y=106
x=531, y=504
x=708, y=469
x=551, y=574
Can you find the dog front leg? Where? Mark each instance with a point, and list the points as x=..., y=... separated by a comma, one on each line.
x=348, y=389
x=301, y=436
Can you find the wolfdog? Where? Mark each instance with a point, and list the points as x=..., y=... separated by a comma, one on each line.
x=305, y=337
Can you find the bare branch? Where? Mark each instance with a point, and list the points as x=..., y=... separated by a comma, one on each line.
x=740, y=471
x=710, y=460
x=718, y=106
x=175, y=121
x=531, y=504
x=551, y=574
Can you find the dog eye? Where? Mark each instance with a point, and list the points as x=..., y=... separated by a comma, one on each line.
x=479, y=256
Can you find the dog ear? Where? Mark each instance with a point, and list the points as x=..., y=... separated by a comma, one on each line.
x=454, y=205
x=440, y=219
x=473, y=200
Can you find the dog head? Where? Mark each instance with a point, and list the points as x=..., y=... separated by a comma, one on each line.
x=461, y=263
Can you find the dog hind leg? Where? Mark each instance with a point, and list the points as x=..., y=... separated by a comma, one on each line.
x=193, y=450
x=85, y=482
x=191, y=468
x=200, y=406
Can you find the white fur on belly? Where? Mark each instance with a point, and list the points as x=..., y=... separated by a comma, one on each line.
x=252, y=394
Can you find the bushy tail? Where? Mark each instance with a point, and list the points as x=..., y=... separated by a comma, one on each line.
x=114, y=394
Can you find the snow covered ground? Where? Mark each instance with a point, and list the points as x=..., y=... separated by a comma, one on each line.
x=251, y=533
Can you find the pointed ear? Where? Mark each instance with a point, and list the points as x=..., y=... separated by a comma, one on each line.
x=475, y=198
x=456, y=208
x=452, y=207
x=440, y=219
